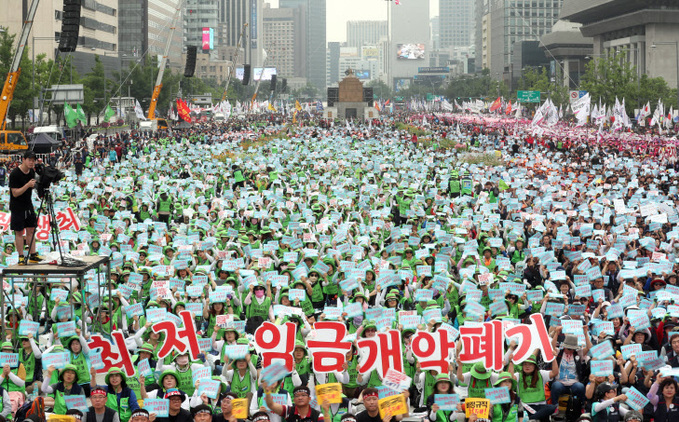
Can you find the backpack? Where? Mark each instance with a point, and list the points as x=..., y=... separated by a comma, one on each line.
x=34, y=410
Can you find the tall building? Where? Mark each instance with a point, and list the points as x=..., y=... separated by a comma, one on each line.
x=333, y=58
x=456, y=23
x=200, y=17
x=503, y=24
x=232, y=14
x=143, y=28
x=283, y=40
x=646, y=31
x=360, y=33
x=315, y=36
x=410, y=41
x=98, y=31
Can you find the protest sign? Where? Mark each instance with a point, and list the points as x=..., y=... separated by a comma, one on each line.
x=57, y=359
x=239, y=408
x=76, y=402
x=397, y=381
x=498, y=395
x=332, y=392
x=209, y=387
x=161, y=407
x=478, y=407
x=394, y=405
x=447, y=401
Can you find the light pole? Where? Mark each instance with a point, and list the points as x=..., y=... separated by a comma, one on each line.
x=676, y=47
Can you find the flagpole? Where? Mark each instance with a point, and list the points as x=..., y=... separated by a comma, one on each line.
x=259, y=81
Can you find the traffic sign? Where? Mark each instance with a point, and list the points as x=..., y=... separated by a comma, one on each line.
x=574, y=95
x=528, y=96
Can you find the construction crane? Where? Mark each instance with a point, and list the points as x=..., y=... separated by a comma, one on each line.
x=162, y=123
x=232, y=70
x=13, y=141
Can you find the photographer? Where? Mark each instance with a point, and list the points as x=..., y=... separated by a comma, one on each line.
x=21, y=183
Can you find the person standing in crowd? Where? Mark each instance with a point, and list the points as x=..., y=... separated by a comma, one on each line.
x=23, y=216
x=99, y=412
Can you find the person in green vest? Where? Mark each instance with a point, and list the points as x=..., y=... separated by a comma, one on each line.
x=164, y=207
x=169, y=380
x=67, y=386
x=487, y=260
x=242, y=379
x=259, y=309
x=78, y=357
x=302, y=366
x=404, y=200
x=30, y=357
x=454, y=184
x=119, y=396
x=507, y=412
x=531, y=387
x=443, y=385
x=184, y=369
x=425, y=382
x=12, y=380
x=238, y=178
x=476, y=380
x=516, y=253
x=466, y=184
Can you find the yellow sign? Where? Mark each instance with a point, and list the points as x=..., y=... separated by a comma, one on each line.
x=239, y=408
x=396, y=405
x=332, y=392
x=478, y=407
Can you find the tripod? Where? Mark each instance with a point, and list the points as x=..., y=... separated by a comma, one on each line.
x=48, y=204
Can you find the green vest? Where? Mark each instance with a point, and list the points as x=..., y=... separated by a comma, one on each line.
x=241, y=387
x=123, y=408
x=429, y=383
x=467, y=186
x=238, y=175
x=60, y=407
x=317, y=292
x=255, y=309
x=477, y=388
x=531, y=395
x=374, y=380
x=164, y=206
x=133, y=383
x=455, y=186
x=353, y=373
x=511, y=416
x=8, y=385
x=29, y=365
x=186, y=381
x=518, y=256
x=81, y=364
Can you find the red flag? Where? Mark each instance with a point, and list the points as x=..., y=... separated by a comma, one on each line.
x=496, y=104
x=509, y=108
x=183, y=110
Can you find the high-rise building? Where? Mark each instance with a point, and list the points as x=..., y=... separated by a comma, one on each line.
x=200, y=18
x=333, y=58
x=410, y=41
x=232, y=14
x=143, y=29
x=98, y=31
x=360, y=33
x=315, y=36
x=505, y=23
x=456, y=23
x=283, y=40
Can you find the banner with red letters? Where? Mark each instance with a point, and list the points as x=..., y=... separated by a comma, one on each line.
x=66, y=219
x=327, y=344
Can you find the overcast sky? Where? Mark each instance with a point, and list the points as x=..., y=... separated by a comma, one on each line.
x=341, y=11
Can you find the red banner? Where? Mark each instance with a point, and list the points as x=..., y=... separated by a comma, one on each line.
x=183, y=110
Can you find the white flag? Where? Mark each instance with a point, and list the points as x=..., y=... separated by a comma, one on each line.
x=139, y=111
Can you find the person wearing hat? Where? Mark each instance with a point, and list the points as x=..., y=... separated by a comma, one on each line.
x=257, y=404
x=119, y=396
x=184, y=368
x=67, y=386
x=301, y=368
x=204, y=399
x=78, y=356
x=507, y=412
x=22, y=213
x=29, y=354
x=443, y=385
x=476, y=380
x=607, y=405
x=241, y=375
x=100, y=412
x=572, y=370
x=176, y=412
x=258, y=306
x=168, y=380
x=301, y=408
x=531, y=387
x=11, y=380
x=164, y=207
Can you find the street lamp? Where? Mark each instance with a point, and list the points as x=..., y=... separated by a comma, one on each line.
x=676, y=46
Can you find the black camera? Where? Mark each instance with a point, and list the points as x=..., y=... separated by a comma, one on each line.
x=45, y=176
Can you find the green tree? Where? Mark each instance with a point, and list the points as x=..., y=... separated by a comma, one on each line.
x=305, y=93
x=98, y=90
x=480, y=85
x=380, y=89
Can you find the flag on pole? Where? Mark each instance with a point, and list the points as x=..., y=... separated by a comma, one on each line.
x=319, y=105
x=108, y=113
x=183, y=110
x=509, y=108
x=270, y=107
x=496, y=104
x=298, y=106
x=70, y=116
x=139, y=111
x=502, y=185
x=81, y=114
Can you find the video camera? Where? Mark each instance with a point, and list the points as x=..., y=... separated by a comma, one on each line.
x=45, y=176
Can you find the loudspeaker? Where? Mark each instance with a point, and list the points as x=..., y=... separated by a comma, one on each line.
x=70, y=26
x=368, y=96
x=284, y=85
x=190, y=67
x=246, y=74
x=274, y=78
x=333, y=96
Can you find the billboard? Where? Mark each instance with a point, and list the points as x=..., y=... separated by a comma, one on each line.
x=410, y=51
x=257, y=73
x=206, y=38
x=362, y=74
x=370, y=53
x=401, y=84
